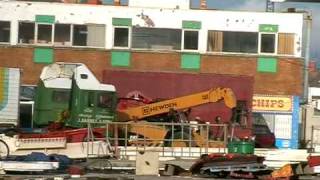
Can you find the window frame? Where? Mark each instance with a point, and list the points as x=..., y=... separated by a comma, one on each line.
x=59, y=96
x=294, y=44
x=157, y=50
x=101, y=97
x=232, y=53
x=36, y=34
x=275, y=43
x=10, y=27
x=88, y=24
x=71, y=35
x=182, y=40
x=129, y=37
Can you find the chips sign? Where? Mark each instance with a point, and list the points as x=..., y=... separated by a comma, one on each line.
x=272, y=103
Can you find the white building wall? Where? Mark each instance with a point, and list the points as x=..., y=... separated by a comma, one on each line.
x=172, y=4
x=313, y=91
x=311, y=118
x=162, y=18
x=9, y=113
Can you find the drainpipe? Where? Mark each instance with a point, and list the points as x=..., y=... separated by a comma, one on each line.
x=307, y=58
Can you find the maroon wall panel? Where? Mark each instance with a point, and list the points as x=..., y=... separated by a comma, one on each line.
x=170, y=85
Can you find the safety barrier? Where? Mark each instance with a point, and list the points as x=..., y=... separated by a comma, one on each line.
x=169, y=139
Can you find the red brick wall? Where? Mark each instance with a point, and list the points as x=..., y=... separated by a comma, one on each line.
x=288, y=79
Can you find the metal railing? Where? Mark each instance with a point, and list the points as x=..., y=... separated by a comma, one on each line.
x=169, y=139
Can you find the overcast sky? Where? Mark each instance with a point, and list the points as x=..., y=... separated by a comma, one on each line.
x=260, y=5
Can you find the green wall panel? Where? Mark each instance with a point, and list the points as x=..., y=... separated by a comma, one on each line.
x=120, y=58
x=191, y=24
x=268, y=28
x=43, y=55
x=267, y=64
x=190, y=61
x=45, y=19
x=121, y=22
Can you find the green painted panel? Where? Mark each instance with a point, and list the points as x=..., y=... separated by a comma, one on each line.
x=190, y=61
x=43, y=55
x=191, y=24
x=120, y=58
x=267, y=64
x=268, y=28
x=4, y=87
x=121, y=21
x=45, y=19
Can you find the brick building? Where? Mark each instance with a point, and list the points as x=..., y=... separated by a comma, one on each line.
x=159, y=37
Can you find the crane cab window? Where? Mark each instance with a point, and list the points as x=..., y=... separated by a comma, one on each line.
x=105, y=100
x=60, y=96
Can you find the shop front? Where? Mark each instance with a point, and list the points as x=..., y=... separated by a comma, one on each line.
x=281, y=115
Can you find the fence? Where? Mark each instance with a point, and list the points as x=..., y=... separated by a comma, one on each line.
x=169, y=139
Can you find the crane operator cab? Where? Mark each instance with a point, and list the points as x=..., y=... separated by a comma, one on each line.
x=71, y=94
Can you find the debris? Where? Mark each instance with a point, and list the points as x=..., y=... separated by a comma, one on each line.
x=173, y=170
x=234, y=165
x=288, y=170
x=76, y=170
x=147, y=163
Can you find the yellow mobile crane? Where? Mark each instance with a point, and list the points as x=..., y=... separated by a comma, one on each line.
x=184, y=102
x=136, y=115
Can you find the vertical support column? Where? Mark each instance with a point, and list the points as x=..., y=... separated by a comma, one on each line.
x=295, y=123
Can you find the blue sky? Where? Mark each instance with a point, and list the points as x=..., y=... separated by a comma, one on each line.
x=260, y=5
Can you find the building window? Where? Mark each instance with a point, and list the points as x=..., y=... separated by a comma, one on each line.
x=316, y=105
x=286, y=43
x=155, y=38
x=215, y=41
x=268, y=43
x=44, y=33
x=190, y=41
x=121, y=37
x=96, y=35
x=79, y=35
x=4, y=31
x=26, y=33
x=62, y=34
x=92, y=35
x=237, y=42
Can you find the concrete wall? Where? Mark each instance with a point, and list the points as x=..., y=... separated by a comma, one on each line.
x=162, y=18
x=287, y=81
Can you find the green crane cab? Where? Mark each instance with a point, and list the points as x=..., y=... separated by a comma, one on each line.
x=71, y=94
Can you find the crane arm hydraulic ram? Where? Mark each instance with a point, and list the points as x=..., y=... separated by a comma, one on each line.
x=184, y=102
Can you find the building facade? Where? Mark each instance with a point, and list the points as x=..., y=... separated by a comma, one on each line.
x=156, y=37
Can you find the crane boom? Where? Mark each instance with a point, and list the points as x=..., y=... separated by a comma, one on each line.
x=184, y=102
